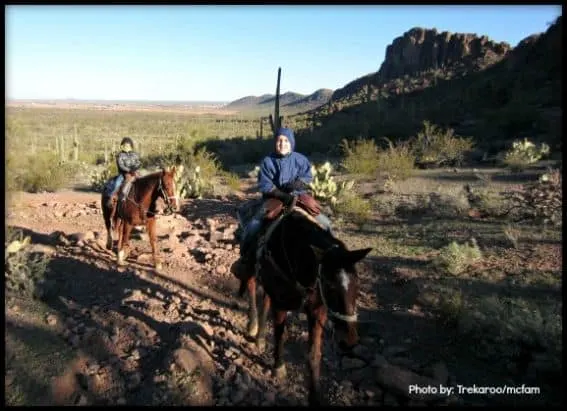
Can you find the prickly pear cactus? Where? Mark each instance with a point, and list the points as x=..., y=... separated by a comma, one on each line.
x=324, y=187
x=189, y=183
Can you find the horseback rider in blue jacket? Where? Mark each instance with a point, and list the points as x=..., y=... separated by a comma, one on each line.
x=128, y=163
x=284, y=174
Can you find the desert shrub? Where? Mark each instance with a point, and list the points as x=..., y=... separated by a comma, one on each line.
x=435, y=146
x=232, y=180
x=512, y=234
x=24, y=271
x=524, y=153
x=451, y=306
x=485, y=200
x=99, y=177
x=456, y=258
x=501, y=326
x=360, y=157
x=541, y=201
x=397, y=161
x=351, y=205
x=41, y=172
x=385, y=204
x=435, y=205
x=200, y=170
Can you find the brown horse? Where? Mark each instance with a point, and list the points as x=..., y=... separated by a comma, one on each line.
x=139, y=208
x=301, y=266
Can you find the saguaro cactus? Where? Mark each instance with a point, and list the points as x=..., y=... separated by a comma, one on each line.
x=75, y=145
x=60, y=145
x=276, y=120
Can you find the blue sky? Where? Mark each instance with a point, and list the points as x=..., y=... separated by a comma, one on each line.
x=221, y=53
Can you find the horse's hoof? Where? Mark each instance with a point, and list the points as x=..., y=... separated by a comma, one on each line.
x=158, y=266
x=261, y=343
x=253, y=329
x=280, y=373
x=109, y=246
x=120, y=260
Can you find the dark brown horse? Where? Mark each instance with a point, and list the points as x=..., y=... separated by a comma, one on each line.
x=301, y=266
x=139, y=208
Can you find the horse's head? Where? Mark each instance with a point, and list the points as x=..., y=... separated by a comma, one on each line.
x=338, y=282
x=167, y=189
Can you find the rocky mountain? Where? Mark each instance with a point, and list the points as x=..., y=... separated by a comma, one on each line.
x=421, y=50
x=481, y=88
x=289, y=102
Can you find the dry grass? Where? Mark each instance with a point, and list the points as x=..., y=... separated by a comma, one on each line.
x=493, y=297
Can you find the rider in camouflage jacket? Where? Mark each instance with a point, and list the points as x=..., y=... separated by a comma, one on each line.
x=128, y=162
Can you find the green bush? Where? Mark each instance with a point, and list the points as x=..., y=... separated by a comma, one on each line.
x=501, y=325
x=397, y=161
x=232, y=180
x=440, y=147
x=100, y=177
x=24, y=272
x=524, y=153
x=41, y=172
x=360, y=157
x=456, y=258
x=351, y=205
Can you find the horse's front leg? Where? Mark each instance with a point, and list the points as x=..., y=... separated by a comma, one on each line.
x=107, y=215
x=123, y=242
x=261, y=338
x=316, y=318
x=252, y=309
x=151, y=227
x=279, y=339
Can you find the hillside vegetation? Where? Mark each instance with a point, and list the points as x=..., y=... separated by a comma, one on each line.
x=485, y=90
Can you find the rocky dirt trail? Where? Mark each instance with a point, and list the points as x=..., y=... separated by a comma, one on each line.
x=178, y=336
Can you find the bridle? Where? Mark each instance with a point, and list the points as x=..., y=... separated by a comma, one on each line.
x=319, y=283
x=168, y=204
x=303, y=290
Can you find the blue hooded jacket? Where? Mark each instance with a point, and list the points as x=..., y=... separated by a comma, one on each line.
x=277, y=170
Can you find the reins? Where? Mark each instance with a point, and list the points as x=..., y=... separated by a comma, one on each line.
x=300, y=288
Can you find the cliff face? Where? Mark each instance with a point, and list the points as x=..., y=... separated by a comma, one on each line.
x=479, y=88
x=421, y=50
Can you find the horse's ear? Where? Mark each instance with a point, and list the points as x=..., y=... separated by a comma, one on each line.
x=319, y=253
x=355, y=256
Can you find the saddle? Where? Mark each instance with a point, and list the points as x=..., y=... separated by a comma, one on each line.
x=274, y=207
x=119, y=205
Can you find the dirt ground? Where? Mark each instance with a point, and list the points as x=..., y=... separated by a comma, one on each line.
x=132, y=335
